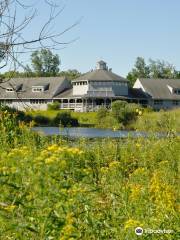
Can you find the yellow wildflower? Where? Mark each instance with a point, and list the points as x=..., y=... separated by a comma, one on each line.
x=104, y=170
x=75, y=151
x=53, y=147
x=114, y=164
x=138, y=171
x=50, y=160
x=131, y=223
x=138, y=145
x=135, y=191
x=161, y=192
x=7, y=170
x=68, y=229
x=9, y=208
x=87, y=170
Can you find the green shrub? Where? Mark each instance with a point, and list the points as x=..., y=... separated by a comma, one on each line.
x=13, y=131
x=65, y=119
x=106, y=120
x=110, y=122
x=102, y=113
x=54, y=106
x=41, y=120
x=125, y=112
x=20, y=115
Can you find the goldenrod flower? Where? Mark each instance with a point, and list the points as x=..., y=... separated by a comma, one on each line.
x=9, y=208
x=114, y=164
x=131, y=223
x=135, y=191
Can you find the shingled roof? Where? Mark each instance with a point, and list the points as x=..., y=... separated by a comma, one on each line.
x=53, y=86
x=101, y=75
x=159, y=88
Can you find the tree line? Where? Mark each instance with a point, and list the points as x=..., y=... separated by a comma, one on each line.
x=154, y=69
x=44, y=63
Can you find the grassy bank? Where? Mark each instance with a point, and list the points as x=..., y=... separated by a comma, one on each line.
x=158, y=121
x=147, y=121
x=56, y=189
x=84, y=119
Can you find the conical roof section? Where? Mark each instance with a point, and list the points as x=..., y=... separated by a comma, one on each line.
x=101, y=74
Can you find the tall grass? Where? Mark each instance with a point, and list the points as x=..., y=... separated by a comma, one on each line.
x=55, y=189
x=85, y=118
x=158, y=121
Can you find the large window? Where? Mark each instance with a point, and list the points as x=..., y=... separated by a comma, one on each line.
x=158, y=102
x=177, y=91
x=175, y=102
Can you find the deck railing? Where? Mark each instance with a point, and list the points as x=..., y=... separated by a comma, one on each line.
x=71, y=105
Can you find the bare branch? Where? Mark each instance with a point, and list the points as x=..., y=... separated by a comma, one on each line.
x=12, y=37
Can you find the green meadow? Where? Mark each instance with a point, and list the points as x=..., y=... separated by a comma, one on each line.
x=55, y=188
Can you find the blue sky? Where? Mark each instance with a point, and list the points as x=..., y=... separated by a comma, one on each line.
x=117, y=31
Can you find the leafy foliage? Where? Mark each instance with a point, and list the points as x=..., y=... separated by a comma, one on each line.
x=54, y=106
x=106, y=120
x=65, y=119
x=41, y=120
x=45, y=63
x=70, y=74
x=155, y=69
x=125, y=112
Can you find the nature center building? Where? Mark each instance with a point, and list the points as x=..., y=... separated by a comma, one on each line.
x=97, y=88
x=89, y=92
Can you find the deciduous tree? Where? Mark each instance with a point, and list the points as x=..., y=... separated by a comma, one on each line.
x=45, y=63
x=154, y=69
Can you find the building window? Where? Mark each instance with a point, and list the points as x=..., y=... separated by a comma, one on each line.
x=143, y=102
x=158, y=102
x=9, y=90
x=37, y=89
x=177, y=91
x=175, y=102
x=8, y=101
x=79, y=100
x=38, y=101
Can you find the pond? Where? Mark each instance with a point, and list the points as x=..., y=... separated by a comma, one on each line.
x=87, y=132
